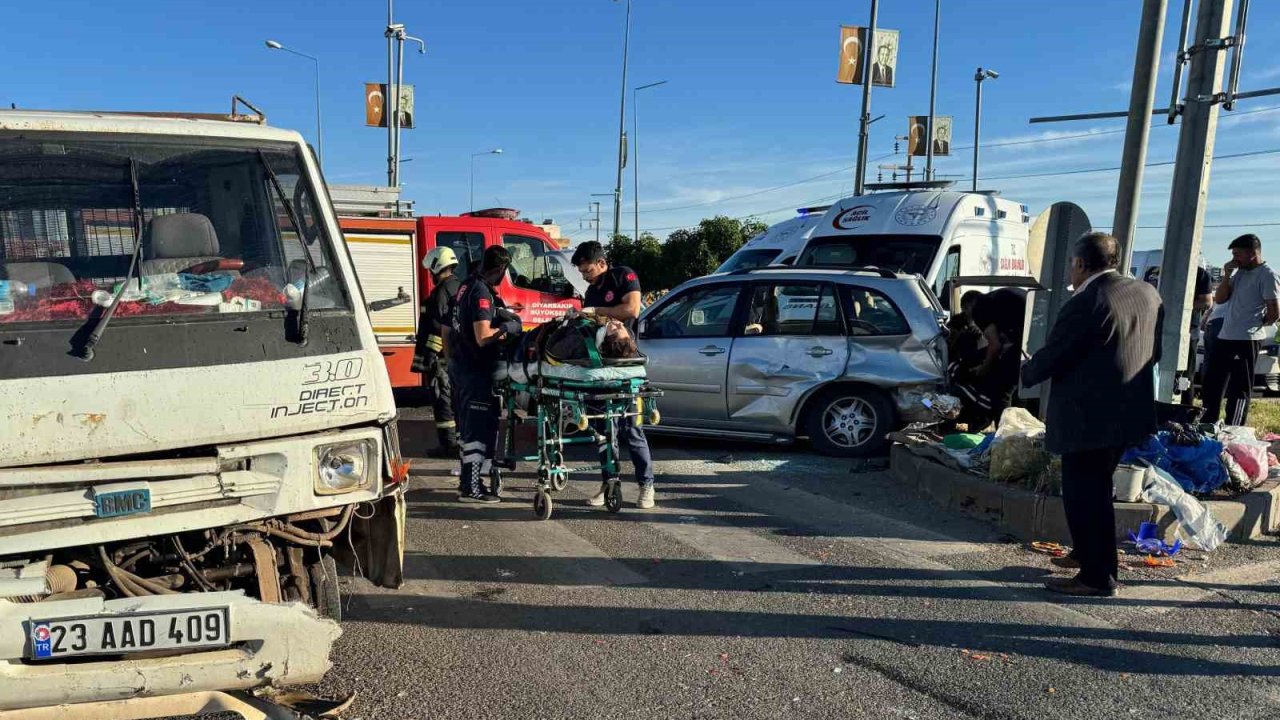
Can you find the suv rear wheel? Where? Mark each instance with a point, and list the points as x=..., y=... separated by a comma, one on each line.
x=849, y=421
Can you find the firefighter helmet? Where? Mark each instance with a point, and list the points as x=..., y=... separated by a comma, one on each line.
x=439, y=260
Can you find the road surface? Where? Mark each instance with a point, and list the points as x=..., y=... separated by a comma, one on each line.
x=783, y=584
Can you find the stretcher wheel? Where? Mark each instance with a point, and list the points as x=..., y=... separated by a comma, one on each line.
x=653, y=417
x=559, y=481
x=542, y=505
x=613, y=497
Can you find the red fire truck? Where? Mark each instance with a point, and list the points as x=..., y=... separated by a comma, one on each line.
x=387, y=244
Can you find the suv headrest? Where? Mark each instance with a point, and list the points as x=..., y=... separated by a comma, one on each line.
x=181, y=235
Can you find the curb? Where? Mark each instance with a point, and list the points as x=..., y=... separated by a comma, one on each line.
x=1029, y=516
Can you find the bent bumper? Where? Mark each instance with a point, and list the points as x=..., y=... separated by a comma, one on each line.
x=272, y=644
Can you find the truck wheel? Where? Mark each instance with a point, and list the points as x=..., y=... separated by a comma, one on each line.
x=324, y=588
x=849, y=421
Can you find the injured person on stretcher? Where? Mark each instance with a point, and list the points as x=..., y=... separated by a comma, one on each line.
x=576, y=339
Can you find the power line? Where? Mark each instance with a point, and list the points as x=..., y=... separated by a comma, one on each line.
x=1030, y=141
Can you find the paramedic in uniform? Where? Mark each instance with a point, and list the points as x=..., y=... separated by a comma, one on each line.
x=473, y=357
x=429, y=357
x=614, y=293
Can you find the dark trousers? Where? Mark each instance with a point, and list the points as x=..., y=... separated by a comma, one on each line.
x=629, y=432
x=478, y=415
x=441, y=395
x=1229, y=370
x=1091, y=518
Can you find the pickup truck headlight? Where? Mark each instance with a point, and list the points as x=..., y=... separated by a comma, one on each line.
x=343, y=468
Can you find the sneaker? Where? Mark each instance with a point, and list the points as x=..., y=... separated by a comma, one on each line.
x=646, y=497
x=485, y=499
x=597, y=500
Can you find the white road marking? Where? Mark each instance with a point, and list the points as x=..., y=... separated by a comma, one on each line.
x=1198, y=587
x=751, y=553
x=551, y=539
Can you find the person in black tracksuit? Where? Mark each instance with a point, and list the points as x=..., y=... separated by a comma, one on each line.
x=429, y=356
x=614, y=292
x=473, y=357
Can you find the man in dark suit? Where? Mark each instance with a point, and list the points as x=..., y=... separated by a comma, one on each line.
x=1100, y=357
x=882, y=68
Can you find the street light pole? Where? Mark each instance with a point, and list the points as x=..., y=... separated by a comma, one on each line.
x=273, y=45
x=635, y=155
x=495, y=151
x=933, y=93
x=865, y=121
x=622, y=127
x=978, y=78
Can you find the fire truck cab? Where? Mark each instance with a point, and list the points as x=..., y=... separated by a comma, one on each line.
x=388, y=244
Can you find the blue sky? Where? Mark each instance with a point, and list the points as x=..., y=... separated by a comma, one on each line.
x=751, y=102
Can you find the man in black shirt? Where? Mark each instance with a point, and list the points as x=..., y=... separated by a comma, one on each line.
x=473, y=357
x=429, y=356
x=614, y=293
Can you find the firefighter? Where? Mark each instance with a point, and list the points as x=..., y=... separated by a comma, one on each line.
x=614, y=293
x=477, y=331
x=429, y=356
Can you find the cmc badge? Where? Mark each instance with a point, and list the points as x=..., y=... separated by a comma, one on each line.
x=852, y=217
x=914, y=215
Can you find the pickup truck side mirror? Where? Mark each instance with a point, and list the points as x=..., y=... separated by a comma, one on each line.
x=401, y=298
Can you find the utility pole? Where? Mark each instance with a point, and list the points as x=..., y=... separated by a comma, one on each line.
x=859, y=181
x=622, y=128
x=933, y=93
x=1190, y=191
x=1142, y=96
x=596, y=205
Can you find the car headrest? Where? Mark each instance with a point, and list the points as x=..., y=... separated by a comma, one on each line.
x=180, y=235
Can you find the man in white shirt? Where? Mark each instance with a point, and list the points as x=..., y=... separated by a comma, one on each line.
x=1253, y=290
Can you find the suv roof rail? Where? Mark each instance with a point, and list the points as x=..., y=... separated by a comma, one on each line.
x=882, y=272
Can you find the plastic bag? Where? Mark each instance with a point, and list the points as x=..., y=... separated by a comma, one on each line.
x=1251, y=458
x=1194, y=518
x=1196, y=468
x=1018, y=448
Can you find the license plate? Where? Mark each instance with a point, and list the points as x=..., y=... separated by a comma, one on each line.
x=122, y=502
x=136, y=632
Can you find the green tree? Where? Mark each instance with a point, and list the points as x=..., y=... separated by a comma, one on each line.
x=645, y=256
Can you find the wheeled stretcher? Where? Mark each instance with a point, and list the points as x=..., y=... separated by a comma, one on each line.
x=569, y=405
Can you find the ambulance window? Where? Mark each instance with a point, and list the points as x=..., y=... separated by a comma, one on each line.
x=468, y=246
x=950, y=268
x=531, y=268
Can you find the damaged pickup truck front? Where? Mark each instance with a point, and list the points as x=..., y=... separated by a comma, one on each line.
x=196, y=425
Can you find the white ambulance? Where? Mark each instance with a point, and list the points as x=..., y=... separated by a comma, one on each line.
x=938, y=234
x=779, y=245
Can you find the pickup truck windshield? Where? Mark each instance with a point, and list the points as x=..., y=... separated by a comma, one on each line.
x=911, y=254
x=216, y=240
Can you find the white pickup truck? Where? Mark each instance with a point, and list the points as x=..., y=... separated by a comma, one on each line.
x=195, y=419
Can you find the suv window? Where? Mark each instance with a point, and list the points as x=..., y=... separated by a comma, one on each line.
x=468, y=246
x=531, y=268
x=793, y=309
x=872, y=313
x=698, y=312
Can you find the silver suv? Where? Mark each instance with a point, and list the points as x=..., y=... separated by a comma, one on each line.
x=842, y=357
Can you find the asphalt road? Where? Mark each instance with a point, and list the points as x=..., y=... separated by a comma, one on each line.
x=773, y=584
